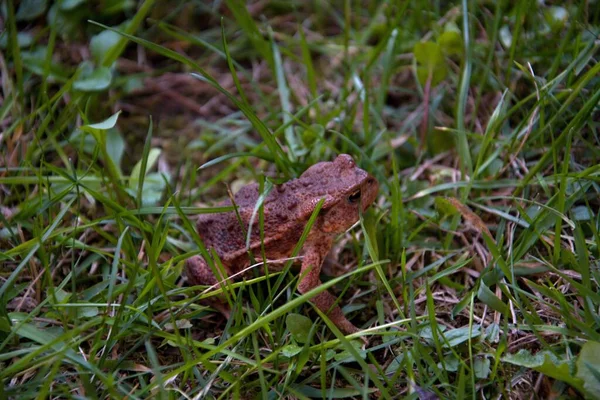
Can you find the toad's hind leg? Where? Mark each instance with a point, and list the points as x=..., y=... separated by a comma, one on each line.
x=199, y=273
x=309, y=275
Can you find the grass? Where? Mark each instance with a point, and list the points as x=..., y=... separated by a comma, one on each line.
x=475, y=274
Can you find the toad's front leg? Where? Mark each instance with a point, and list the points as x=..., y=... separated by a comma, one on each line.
x=314, y=254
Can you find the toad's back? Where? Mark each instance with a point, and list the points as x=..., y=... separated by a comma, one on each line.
x=286, y=210
x=224, y=232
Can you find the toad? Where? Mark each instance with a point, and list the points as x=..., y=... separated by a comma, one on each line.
x=346, y=190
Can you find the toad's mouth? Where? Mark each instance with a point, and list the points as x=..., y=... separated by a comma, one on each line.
x=369, y=192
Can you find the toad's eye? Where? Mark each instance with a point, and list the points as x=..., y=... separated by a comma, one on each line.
x=354, y=197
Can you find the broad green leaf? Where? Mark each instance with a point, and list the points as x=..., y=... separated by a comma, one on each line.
x=35, y=61
x=154, y=186
x=115, y=146
x=488, y=297
x=492, y=332
x=461, y=335
x=291, y=350
x=110, y=152
x=153, y=155
x=47, y=336
x=439, y=141
x=505, y=36
x=462, y=304
x=546, y=363
x=395, y=364
x=60, y=295
x=582, y=213
x=430, y=62
x=95, y=81
x=115, y=6
x=329, y=354
x=87, y=312
x=451, y=43
x=108, y=123
x=588, y=367
x=312, y=134
x=31, y=9
x=132, y=83
x=68, y=5
x=24, y=39
x=348, y=356
x=451, y=363
x=66, y=22
x=556, y=17
x=4, y=324
x=299, y=326
x=210, y=341
x=102, y=43
x=481, y=367
x=453, y=337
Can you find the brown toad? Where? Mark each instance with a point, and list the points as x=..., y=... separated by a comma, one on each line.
x=287, y=208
